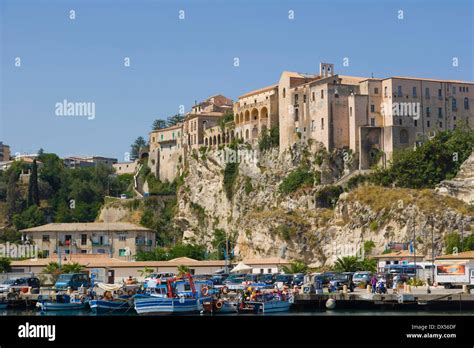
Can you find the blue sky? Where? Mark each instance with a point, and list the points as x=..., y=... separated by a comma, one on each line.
x=175, y=62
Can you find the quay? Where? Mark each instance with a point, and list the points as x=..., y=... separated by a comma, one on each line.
x=417, y=300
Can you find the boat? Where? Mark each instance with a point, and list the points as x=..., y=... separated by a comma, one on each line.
x=266, y=303
x=169, y=298
x=62, y=302
x=219, y=306
x=115, y=298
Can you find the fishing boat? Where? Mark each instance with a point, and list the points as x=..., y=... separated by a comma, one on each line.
x=219, y=306
x=62, y=302
x=115, y=298
x=169, y=298
x=266, y=303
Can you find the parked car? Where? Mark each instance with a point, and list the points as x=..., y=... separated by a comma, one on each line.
x=21, y=283
x=5, y=286
x=266, y=278
x=251, y=278
x=283, y=279
x=338, y=281
x=362, y=277
x=123, y=196
x=298, y=279
x=326, y=278
x=73, y=281
x=235, y=279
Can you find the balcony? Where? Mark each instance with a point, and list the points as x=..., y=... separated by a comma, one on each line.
x=100, y=244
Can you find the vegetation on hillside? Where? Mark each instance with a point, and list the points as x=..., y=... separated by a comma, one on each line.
x=269, y=139
x=299, y=178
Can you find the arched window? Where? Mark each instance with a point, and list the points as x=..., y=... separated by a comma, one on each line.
x=466, y=104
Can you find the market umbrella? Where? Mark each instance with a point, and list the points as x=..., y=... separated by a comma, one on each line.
x=240, y=268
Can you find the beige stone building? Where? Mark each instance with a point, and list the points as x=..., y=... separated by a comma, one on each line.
x=118, y=240
x=166, y=152
x=125, y=167
x=256, y=112
x=169, y=146
x=372, y=117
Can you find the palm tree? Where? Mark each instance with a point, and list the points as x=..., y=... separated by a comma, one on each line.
x=146, y=272
x=5, y=265
x=74, y=267
x=295, y=267
x=54, y=270
x=347, y=264
x=182, y=270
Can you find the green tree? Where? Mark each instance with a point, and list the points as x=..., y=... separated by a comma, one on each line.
x=14, y=201
x=73, y=267
x=347, y=264
x=145, y=272
x=136, y=147
x=158, y=124
x=33, y=189
x=175, y=119
x=5, y=265
x=295, y=267
x=31, y=217
x=182, y=270
x=54, y=270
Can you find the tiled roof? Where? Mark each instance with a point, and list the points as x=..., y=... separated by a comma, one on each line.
x=397, y=254
x=87, y=227
x=463, y=255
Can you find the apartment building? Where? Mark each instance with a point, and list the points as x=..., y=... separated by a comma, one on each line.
x=88, y=161
x=118, y=240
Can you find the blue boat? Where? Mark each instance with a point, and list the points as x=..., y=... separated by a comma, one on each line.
x=169, y=298
x=62, y=302
x=114, y=305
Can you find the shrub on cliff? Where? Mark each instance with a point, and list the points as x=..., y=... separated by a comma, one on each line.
x=300, y=177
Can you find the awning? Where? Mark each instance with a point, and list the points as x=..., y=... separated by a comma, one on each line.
x=108, y=287
x=240, y=268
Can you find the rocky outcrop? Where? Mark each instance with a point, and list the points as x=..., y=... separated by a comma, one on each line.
x=462, y=186
x=265, y=222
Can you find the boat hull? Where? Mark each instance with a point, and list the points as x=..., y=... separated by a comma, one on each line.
x=104, y=306
x=3, y=305
x=227, y=307
x=158, y=305
x=57, y=306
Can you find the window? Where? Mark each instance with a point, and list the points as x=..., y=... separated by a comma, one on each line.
x=453, y=104
x=372, y=122
x=296, y=98
x=284, y=92
x=441, y=124
x=372, y=108
x=312, y=125
x=312, y=96
x=427, y=92
x=385, y=91
x=454, y=90
x=440, y=112
x=45, y=253
x=399, y=92
x=304, y=98
x=322, y=123
x=403, y=136
x=376, y=90
x=415, y=123
x=83, y=251
x=466, y=104
x=269, y=270
x=414, y=92
x=428, y=111
x=322, y=94
x=350, y=111
x=428, y=124
x=296, y=115
x=440, y=93
x=122, y=252
x=400, y=122
x=122, y=237
x=83, y=239
x=45, y=237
